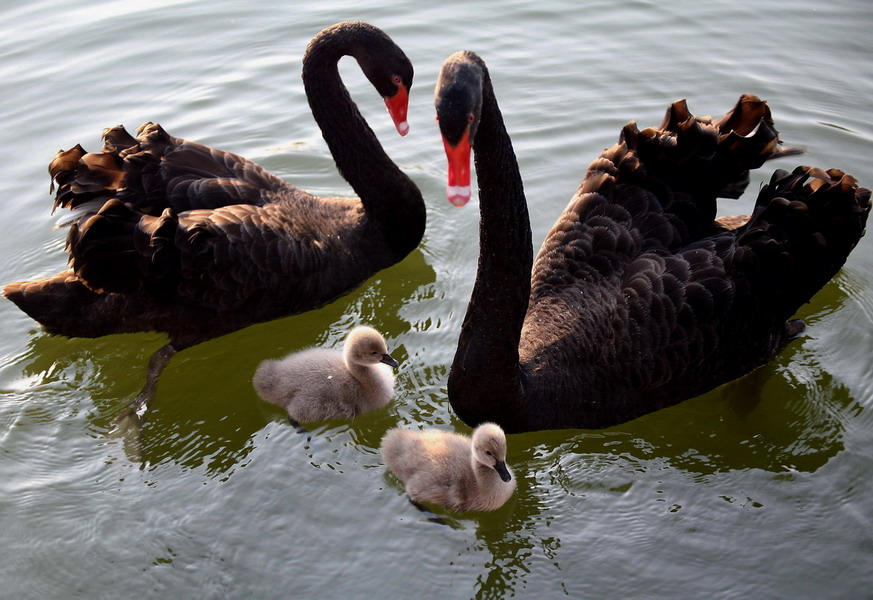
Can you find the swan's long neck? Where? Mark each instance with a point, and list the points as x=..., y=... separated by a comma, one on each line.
x=389, y=197
x=485, y=379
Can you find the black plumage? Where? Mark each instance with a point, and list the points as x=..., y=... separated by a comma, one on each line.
x=638, y=297
x=177, y=237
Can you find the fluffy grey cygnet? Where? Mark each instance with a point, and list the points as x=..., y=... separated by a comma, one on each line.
x=450, y=469
x=318, y=384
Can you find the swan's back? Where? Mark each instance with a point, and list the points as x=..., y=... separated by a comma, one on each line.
x=639, y=297
x=154, y=171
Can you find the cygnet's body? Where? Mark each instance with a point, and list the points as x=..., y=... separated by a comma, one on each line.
x=318, y=384
x=450, y=469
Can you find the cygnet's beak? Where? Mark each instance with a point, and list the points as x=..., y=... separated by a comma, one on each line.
x=388, y=360
x=501, y=469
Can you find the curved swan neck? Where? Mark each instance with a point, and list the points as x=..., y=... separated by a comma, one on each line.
x=388, y=195
x=485, y=372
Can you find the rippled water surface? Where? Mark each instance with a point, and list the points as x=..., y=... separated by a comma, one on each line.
x=760, y=489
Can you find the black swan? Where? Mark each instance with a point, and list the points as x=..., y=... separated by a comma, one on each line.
x=180, y=238
x=637, y=299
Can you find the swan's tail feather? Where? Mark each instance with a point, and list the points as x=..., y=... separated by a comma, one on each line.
x=119, y=250
x=804, y=226
x=61, y=304
x=64, y=305
x=88, y=179
x=83, y=177
x=690, y=161
x=154, y=171
x=747, y=138
x=145, y=163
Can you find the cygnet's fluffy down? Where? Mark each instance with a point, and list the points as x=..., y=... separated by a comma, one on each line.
x=450, y=469
x=318, y=384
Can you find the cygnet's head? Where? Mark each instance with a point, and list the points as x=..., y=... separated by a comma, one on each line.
x=366, y=346
x=489, y=448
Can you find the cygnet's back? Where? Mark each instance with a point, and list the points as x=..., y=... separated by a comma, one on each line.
x=318, y=384
x=450, y=469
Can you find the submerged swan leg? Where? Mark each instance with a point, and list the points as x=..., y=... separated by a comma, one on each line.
x=300, y=428
x=128, y=423
x=160, y=359
x=431, y=516
x=795, y=327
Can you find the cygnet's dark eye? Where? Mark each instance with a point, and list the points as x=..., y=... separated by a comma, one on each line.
x=488, y=452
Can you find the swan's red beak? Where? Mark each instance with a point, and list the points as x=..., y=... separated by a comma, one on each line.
x=398, y=105
x=458, y=188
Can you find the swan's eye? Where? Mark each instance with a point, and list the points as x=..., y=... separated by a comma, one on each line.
x=395, y=79
x=470, y=118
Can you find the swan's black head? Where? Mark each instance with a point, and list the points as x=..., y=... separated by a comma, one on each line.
x=381, y=60
x=458, y=100
x=389, y=70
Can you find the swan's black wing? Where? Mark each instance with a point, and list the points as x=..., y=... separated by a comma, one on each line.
x=154, y=171
x=689, y=161
x=719, y=307
x=240, y=263
x=642, y=301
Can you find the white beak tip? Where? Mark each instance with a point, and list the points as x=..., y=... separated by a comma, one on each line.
x=458, y=195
